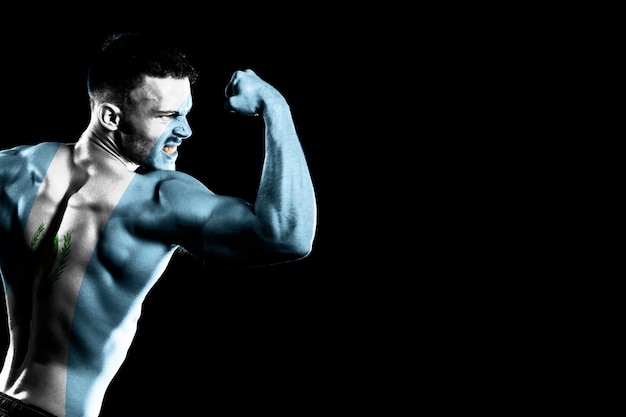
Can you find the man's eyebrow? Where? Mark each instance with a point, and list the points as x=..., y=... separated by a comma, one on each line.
x=177, y=112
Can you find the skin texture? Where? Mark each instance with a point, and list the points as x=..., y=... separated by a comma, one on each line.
x=84, y=237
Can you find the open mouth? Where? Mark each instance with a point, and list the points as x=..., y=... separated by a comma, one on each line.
x=170, y=150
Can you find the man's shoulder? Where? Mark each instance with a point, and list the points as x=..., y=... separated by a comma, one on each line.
x=173, y=187
x=168, y=178
x=26, y=158
x=24, y=153
x=31, y=147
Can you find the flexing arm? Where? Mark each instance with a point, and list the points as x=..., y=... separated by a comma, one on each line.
x=279, y=226
x=285, y=204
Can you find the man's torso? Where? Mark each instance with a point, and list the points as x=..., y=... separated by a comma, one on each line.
x=76, y=268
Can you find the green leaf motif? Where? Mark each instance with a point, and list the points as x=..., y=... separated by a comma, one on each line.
x=65, y=253
x=35, y=238
x=50, y=255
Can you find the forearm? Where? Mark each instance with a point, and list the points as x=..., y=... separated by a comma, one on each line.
x=286, y=202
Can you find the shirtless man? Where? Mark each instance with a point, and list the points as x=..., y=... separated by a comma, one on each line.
x=83, y=237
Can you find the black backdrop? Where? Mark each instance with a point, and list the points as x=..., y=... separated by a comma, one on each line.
x=394, y=108
x=260, y=339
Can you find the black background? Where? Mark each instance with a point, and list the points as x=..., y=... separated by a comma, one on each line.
x=406, y=117
x=274, y=339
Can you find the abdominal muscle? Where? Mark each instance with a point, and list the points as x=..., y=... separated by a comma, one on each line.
x=84, y=299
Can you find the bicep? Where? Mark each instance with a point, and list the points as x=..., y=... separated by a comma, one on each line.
x=222, y=230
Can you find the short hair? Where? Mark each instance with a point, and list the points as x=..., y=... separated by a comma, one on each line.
x=124, y=59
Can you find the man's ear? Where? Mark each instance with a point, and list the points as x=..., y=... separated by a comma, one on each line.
x=110, y=116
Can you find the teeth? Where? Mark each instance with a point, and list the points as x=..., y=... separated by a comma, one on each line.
x=170, y=150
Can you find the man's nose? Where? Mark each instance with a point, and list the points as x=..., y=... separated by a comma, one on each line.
x=183, y=129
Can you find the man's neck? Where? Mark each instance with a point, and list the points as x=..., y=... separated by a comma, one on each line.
x=92, y=142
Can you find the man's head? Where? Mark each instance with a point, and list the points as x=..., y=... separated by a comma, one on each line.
x=140, y=90
x=120, y=65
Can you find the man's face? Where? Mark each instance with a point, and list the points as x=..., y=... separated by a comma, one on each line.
x=155, y=123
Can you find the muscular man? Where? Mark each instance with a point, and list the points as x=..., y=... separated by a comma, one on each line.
x=85, y=234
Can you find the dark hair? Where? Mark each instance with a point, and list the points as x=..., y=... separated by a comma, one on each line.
x=124, y=59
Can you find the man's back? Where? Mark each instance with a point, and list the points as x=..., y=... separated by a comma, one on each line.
x=76, y=268
x=83, y=237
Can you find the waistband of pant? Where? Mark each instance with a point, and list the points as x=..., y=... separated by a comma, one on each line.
x=21, y=408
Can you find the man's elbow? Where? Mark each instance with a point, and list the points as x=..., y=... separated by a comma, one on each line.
x=303, y=250
x=298, y=246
